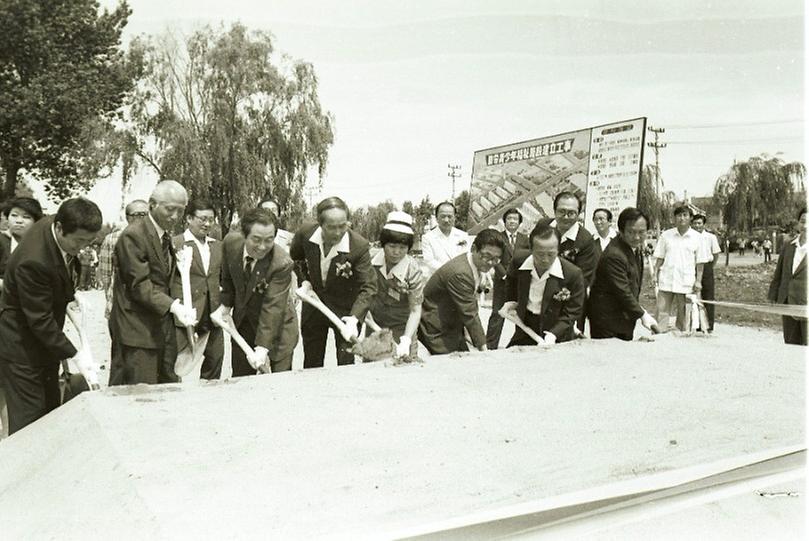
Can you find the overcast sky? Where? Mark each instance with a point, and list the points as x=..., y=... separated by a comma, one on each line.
x=419, y=84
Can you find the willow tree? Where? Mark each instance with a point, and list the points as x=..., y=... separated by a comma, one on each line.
x=759, y=192
x=224, y=114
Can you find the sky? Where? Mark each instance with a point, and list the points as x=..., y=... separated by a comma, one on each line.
x=417, y=85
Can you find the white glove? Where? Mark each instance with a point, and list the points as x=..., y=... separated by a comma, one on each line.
x=403, y=348
x=349, y=330
x=648, y=321
x=186, y=316
x=550, y=338
x=508, y=307
x=87, y=367
x=259, y=358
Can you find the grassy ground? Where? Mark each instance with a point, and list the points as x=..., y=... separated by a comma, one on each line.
x=747, y=284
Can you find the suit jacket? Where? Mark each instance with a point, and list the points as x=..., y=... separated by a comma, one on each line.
x=344, y=296
x=204, y=286
x=450, y=305
x=5, y=253
x=613, y=301
x=141, y=294
x=788, y=287
x=36, y=291
x=501, y=269
x=580, y=252
x=557, y=317
x=261, y=301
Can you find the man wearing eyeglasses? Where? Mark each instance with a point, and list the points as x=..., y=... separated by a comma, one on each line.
x=451, y=297
x=206, y=263
x=576, y=244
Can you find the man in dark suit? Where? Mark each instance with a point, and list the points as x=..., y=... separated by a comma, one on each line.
x=512, y=219
x=36, y=292
x=334, y=263
x=546, y=291
x=451, y=297
x=613, y=306
x=206, y=262
x=788, y=284
x=256, y=282
x=142, y=304
x=576, y=244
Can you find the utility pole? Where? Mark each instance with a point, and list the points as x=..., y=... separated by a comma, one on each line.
x=657, y=145
x=310, y=192
x=454, y=172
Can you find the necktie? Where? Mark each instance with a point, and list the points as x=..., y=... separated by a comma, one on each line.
x=511, y=240
x=167, y=251
x=248, y=266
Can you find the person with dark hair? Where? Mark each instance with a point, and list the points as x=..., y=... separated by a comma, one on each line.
x=680, y=256
x=451, y=297
x=38, y=287
x=400, y=283
x=256, y=283
x=142, y=305
x=206, y=262
x=613, y=307
x=544, y=290
x=708, y=285
x=444, y=241
x=788, y=284
x=335, y=263
x=512, y=219
x=282, y=237
x=602, y=221
x=21, y=213
x=576, y=244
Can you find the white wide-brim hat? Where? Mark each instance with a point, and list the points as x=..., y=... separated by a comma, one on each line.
x=399, y=221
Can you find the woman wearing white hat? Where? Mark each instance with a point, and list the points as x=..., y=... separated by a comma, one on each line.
x=397, y=305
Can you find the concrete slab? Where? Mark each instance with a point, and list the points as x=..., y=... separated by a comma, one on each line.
x=362, y=451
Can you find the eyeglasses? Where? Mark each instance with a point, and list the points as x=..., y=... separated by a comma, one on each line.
x=137, y=214
x=489, y=258
x=206, y=219
x=567, y=213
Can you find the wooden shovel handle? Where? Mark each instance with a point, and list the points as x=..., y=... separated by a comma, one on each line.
x=515, y=319
x=325, y=310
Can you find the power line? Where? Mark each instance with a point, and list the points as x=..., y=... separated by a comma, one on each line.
x=735, y=141
x=454, y=173
x=733, y=124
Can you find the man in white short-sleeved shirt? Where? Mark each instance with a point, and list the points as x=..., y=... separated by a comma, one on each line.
x=708, y=287
x=680, y=256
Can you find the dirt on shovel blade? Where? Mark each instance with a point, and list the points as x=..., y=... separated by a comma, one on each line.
x=375, y=347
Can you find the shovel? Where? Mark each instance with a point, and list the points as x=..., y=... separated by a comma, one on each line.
x=380, y=345
x=75, y=312
x=227, y=325
x=515, y=319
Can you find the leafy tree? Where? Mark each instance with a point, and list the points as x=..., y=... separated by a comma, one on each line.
x=218, y=113
x=368, y=221
x=63, y=76
x=658, y=208
x=759, y=192
x=422, y=214
x=462, y=210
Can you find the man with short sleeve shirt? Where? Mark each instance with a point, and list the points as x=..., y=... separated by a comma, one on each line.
x=680, y=256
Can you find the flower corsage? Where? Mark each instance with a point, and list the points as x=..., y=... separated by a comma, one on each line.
x=262, y=286
x=343, y=270
x=569, y=254
x=562, y=295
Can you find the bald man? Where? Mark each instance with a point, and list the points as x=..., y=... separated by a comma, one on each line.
x=142, y=306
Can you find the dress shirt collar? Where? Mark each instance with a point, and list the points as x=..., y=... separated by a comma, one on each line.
x=65, y=256
x=554, y=270
x=189, y=236
x=570, y=234
x=399, y=270
x=341, y=246
x=159, y=229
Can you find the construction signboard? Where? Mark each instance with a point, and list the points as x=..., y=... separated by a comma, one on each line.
x=601, y=165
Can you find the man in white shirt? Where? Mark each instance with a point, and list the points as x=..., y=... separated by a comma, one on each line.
x=712, y=246
x=445, y=241
x=602, y=220
x=680, y=256
x=206, y=263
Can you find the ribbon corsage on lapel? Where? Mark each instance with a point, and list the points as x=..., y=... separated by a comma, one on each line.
x=343, y=269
